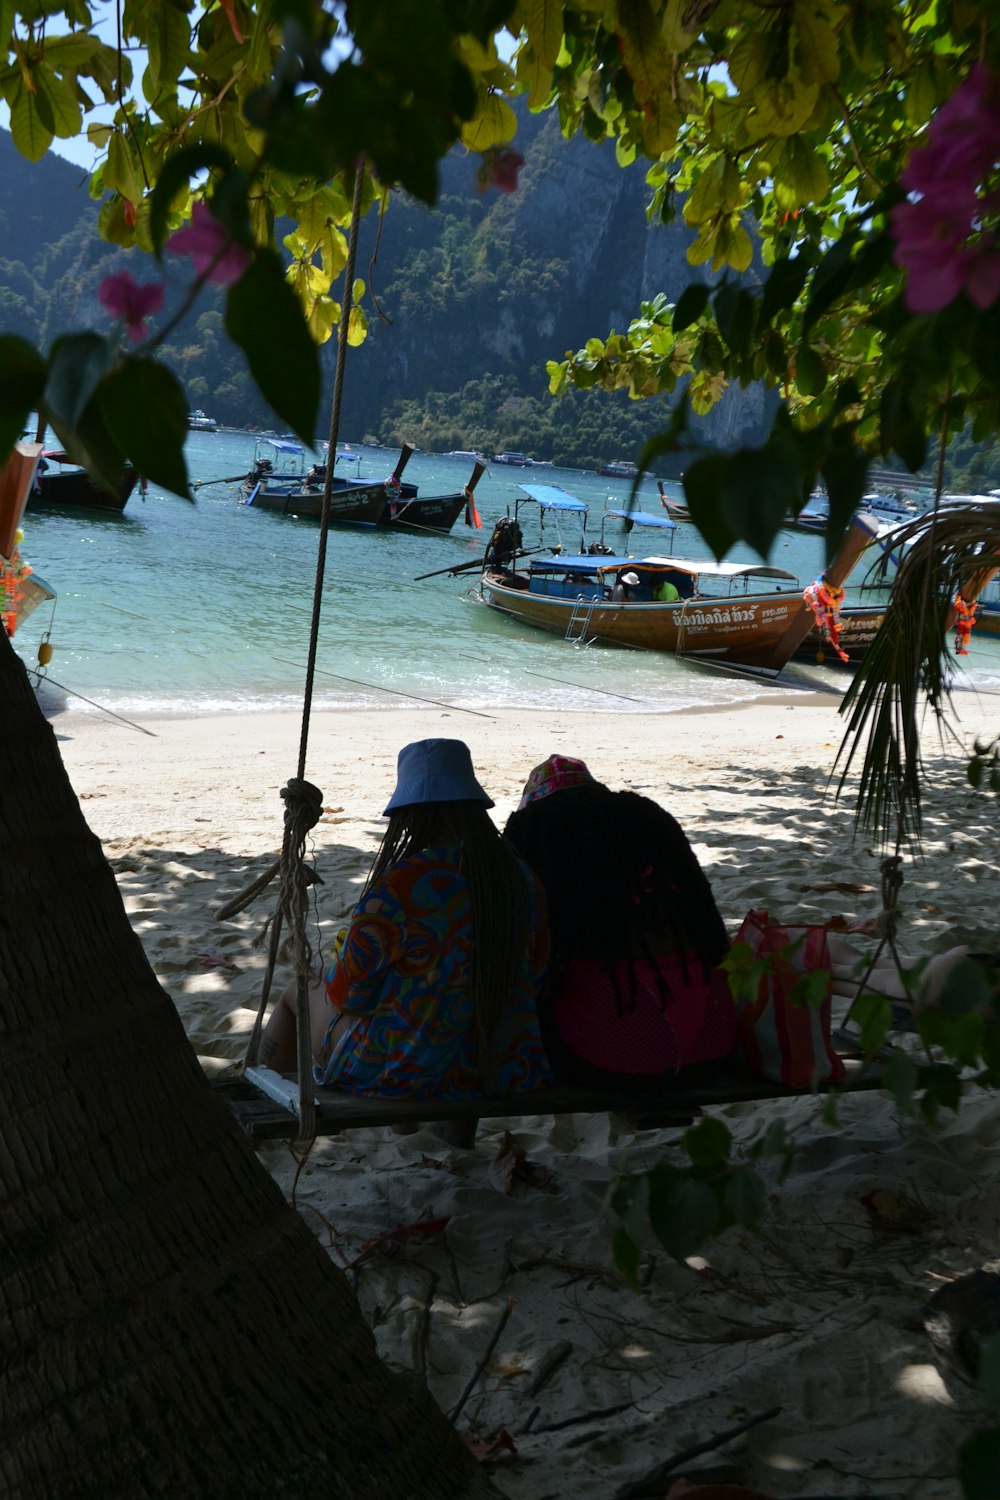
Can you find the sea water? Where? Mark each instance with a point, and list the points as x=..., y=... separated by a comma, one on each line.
x=180, y=608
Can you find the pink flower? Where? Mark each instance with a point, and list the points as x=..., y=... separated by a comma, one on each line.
x=499, y=169
x=125, y=299
x=215, y=253
x=940, y=237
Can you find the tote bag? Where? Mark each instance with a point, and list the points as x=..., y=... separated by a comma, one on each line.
x=781, y=1039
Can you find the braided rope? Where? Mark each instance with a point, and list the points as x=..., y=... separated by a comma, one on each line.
x=303, y=801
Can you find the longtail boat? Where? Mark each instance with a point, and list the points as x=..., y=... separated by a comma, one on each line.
x=749, y=615
x=62, y=482
x=434, y=513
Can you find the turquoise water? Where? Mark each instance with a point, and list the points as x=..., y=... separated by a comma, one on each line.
x=172, y=608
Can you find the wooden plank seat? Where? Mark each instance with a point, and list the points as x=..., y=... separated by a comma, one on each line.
x=266, y=1103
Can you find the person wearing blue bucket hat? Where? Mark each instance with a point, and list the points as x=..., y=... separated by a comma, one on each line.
x=434, y=989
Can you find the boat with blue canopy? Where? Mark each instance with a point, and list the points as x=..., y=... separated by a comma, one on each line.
x=745, y=614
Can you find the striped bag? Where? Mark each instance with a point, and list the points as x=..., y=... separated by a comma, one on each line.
x=781, y=1034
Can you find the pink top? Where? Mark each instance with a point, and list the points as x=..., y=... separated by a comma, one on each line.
x=696, y=1023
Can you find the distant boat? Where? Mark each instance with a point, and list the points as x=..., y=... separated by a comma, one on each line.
x=59, y=481
x=198, y=422
x=889, y=506
x=620, y=469
x=518, y=459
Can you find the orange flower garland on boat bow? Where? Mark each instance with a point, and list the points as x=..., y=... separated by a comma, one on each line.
x=965, y=618
x=825, y=599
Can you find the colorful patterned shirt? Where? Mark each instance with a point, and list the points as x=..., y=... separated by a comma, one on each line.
x=405, y=973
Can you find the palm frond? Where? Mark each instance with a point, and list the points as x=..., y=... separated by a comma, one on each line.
x=909, y=668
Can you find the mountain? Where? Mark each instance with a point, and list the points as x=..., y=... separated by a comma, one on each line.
x=465, y=303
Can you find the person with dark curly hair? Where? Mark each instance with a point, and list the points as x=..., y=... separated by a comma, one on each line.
x=633, y=992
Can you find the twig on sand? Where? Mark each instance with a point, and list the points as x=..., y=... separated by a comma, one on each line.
x=424, y=1328
x=651, y=1483
x=548, y=1365
x=586, y=1416
x=456, y=1410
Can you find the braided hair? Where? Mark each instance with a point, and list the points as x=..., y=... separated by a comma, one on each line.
x=621, y=882
x=499, y=897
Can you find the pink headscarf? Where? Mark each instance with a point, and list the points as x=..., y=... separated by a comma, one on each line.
x=554, y=775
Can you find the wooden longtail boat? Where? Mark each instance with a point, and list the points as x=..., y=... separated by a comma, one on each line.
x=17, y=474
x=62, y=482
x=748, y=615
x=353, y=502
x=433, y=513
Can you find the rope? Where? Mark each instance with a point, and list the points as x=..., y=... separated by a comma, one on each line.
x=303, y=801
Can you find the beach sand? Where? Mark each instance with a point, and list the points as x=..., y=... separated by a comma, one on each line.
x=590, y=1383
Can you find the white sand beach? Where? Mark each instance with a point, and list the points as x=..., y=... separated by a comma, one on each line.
x=592, y=1385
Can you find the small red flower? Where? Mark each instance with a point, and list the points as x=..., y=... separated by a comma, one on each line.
x=499, y=168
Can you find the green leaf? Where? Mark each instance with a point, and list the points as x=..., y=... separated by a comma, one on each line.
x=128, y=395
x=121, y=170
x=690, y=305
x=811, y=989
x=707, y=1143
x=810, y=371
x=745, y=1198
x=684, y=1212
x=832, y=278
x=800, y=175
x=626, y=1256
x=61, y=102
x=899, y=1076
x=782, y=288
x=78, y=363
x=873, y=1015
x=704, y=491
x=31, y=123
x=22, y=381
x=264, y=316
x=168, y=41
x=979, y=1465
x=176, y=173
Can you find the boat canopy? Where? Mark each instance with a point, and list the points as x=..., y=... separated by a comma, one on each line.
x=281, y=445
x=644, y=518
x=551, y=497
x=705, y=568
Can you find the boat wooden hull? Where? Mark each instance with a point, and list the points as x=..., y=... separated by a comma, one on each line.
x=431, y=513
x=16, y=476
x=361, y=505
x=746, y=631
x=858, y=627
x=987, y=619
x=74, y=489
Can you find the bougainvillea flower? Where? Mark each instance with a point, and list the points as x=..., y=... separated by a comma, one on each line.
x=499, y=169
x=215, y=253
x=940, y=237
x=126, y=299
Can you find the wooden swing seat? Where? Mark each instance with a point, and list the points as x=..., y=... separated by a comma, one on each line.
x=266, y=1103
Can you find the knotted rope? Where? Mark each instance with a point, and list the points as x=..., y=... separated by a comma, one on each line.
x=303, y=801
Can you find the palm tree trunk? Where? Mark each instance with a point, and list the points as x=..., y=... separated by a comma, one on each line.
x=170, y=1326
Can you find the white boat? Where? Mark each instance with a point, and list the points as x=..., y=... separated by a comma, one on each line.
x=891, y=507
x=519, y=460
x=198, y=422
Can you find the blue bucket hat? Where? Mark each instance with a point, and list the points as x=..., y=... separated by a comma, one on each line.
x=435, y=771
